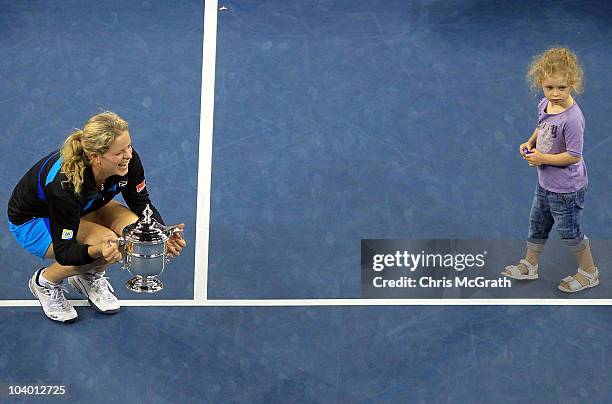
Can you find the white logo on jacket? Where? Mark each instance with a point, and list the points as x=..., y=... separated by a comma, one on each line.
x=67, y=234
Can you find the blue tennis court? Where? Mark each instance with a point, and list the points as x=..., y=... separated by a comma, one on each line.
x=282, y=134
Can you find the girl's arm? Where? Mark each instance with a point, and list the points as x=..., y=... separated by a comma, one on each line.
x=561, y=159
x=530, y=144
x=533, y=138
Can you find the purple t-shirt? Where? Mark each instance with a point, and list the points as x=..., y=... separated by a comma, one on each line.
x=558, y=133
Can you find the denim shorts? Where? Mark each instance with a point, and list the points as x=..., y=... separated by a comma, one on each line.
x=33, y=235
x=563, y=209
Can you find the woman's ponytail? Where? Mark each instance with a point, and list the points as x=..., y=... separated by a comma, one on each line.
x=74, y=160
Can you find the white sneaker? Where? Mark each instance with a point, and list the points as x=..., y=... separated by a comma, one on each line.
x=52, y=300
x=98, y=291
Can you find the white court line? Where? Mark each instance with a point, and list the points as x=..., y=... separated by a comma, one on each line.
x=335, y=302
x=134, y=303
x=207, y=106
x=408, y=302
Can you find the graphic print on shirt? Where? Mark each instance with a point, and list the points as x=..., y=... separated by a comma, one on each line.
x=547, y=134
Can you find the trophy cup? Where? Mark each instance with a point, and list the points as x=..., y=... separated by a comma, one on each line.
x=144, y=252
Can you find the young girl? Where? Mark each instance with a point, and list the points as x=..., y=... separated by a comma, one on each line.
x=555, y=148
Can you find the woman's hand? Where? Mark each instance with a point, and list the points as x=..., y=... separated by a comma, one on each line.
x=110, y=249
x=176, y=242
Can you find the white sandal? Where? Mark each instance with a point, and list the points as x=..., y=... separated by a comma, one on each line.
x=575, y=286
x=512, y=271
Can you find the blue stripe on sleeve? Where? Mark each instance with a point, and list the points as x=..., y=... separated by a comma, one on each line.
x=53, y=172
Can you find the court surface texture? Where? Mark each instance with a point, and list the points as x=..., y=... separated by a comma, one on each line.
x=282, y=133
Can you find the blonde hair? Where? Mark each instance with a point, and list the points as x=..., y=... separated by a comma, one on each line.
x=97, y=136
x=556, y=60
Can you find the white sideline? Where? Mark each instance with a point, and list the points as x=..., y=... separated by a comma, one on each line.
x=207, y=106
x=335, y=302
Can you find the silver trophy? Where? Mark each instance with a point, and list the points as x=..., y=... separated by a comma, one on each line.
x=144, y=251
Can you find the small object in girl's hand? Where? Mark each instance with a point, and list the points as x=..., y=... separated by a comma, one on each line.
x=528, y=152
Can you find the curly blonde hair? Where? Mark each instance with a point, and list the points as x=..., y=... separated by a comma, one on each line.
x=96, y=136
x=556, y=60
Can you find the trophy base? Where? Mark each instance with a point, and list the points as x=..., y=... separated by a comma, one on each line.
x=144, y=284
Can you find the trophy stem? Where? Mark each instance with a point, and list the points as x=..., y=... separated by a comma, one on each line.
x=144, y=284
